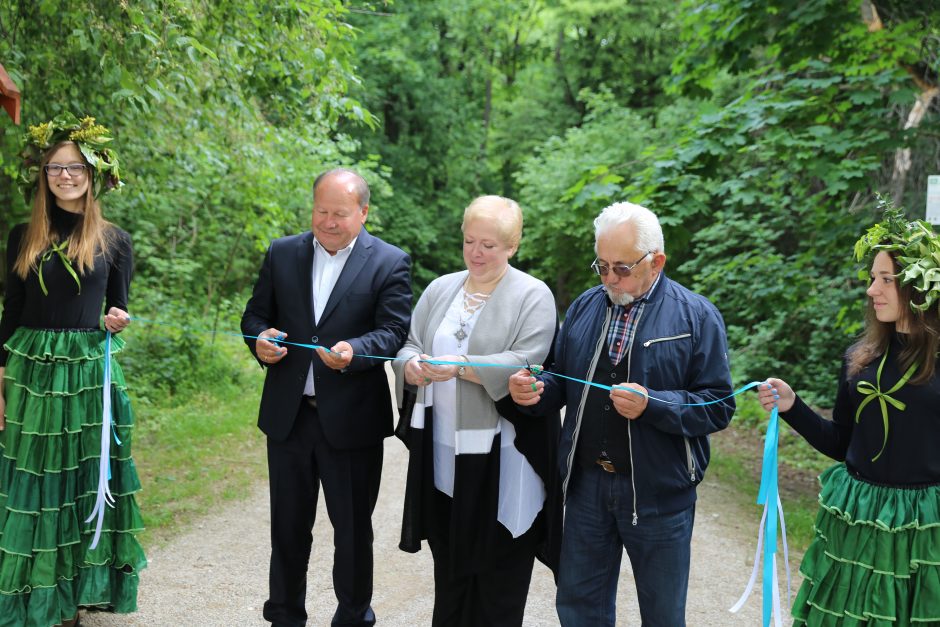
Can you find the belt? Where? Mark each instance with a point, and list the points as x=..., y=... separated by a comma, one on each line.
x=606, y=464
x=311, y=401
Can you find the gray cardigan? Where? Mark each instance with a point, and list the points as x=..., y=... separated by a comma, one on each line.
x=518, y=323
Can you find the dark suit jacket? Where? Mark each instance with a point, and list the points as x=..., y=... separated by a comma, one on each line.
x=370, y=307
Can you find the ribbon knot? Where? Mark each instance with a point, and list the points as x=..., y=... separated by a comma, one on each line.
x=871, y=392
x=58, y=249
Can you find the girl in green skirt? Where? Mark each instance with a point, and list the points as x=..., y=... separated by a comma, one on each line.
x=875, y=559
x=62, y=268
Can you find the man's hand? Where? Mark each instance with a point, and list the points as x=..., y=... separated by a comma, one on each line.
x=269, y=352
x=524, y=388
x=116, y=320
x=630, y=404
x=338, y=357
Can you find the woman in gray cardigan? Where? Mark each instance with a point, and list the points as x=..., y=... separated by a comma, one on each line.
x=481, y=480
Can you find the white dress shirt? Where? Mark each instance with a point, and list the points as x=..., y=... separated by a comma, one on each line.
x=325, y=272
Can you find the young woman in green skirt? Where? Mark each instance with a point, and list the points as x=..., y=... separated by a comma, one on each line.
x=64, y=268
x=875, y=559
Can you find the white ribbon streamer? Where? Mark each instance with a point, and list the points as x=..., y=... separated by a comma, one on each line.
x=104, y=497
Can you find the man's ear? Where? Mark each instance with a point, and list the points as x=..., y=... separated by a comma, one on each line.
x=659, y=261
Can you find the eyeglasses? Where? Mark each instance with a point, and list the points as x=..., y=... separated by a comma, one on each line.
x=620, y=269
x=74, y=169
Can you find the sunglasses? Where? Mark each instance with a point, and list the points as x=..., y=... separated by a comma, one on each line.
x=622, y=270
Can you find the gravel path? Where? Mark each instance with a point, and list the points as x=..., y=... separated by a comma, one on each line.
x=215, y=573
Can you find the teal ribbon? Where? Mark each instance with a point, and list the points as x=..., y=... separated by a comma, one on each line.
x=767, y=495
x=473, y=364
x=58, y=249
x=871, y=392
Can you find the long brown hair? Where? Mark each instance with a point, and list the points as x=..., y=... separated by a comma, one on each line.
x=93, y=237
x=923, y=338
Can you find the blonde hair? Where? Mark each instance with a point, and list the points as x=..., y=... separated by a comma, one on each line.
x=505, y=214
x=93, y=237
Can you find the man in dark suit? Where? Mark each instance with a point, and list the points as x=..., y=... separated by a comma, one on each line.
x=326, y=415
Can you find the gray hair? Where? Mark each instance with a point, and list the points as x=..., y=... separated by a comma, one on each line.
x=360, y=187
x=649, y=233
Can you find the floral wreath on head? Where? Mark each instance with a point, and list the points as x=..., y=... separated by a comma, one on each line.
x=91, y=139
x=915, y=246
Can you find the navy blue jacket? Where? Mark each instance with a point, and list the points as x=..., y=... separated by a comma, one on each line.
x=679, y=354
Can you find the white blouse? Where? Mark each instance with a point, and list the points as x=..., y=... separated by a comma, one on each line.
x=521, y=491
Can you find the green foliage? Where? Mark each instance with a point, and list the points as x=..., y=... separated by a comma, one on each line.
x=759, y=189
x=758, y=132
x=917, y=248
x=193, y=456
x=564, y=183
x=222, y=114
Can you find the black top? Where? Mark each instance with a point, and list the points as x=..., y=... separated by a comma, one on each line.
x=24, y=303
x=910, y=457
x=604, y=432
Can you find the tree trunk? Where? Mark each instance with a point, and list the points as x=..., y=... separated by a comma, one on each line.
x=902, y=158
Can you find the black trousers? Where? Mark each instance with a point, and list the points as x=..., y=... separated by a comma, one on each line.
x=350, y=479
x=494, y=597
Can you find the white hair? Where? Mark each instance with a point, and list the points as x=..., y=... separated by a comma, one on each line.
x=649, y=233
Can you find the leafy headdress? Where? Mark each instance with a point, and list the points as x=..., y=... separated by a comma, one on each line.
x=915, y=246
x=92, y=140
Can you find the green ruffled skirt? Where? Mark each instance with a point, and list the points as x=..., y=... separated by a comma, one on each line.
x=49, y=466
x=875, y=560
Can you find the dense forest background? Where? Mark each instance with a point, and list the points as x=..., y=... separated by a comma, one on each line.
x=759, y=132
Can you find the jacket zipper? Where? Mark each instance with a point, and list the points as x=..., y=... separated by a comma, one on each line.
x=647, y=343
x=639, y=316
x=690, y=461
x=580, y=414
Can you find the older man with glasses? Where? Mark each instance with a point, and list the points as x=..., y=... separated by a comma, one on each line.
x=631, y=456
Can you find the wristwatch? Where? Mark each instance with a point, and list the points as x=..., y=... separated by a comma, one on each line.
x=462, y=370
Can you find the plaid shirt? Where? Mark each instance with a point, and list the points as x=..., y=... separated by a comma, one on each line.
x=623, y=325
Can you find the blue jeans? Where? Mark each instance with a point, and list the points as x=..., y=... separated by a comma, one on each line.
x=598, y=522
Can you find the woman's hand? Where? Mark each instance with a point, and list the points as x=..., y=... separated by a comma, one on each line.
x=414, y=373
x=439, y=373
x=776, y=392
x=116, y=320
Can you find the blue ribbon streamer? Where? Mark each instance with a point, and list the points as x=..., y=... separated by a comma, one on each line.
x=767, y=496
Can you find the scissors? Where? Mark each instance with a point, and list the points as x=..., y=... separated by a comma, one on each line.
x=534, y=371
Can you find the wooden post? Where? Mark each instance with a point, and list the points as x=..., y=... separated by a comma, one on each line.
x=9, y=96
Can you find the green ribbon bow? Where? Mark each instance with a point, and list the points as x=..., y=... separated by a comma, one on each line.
x=58, y=249
x=871, y=392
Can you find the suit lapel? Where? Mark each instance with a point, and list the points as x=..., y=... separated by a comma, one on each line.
x=305, y=275
x=357, y=260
